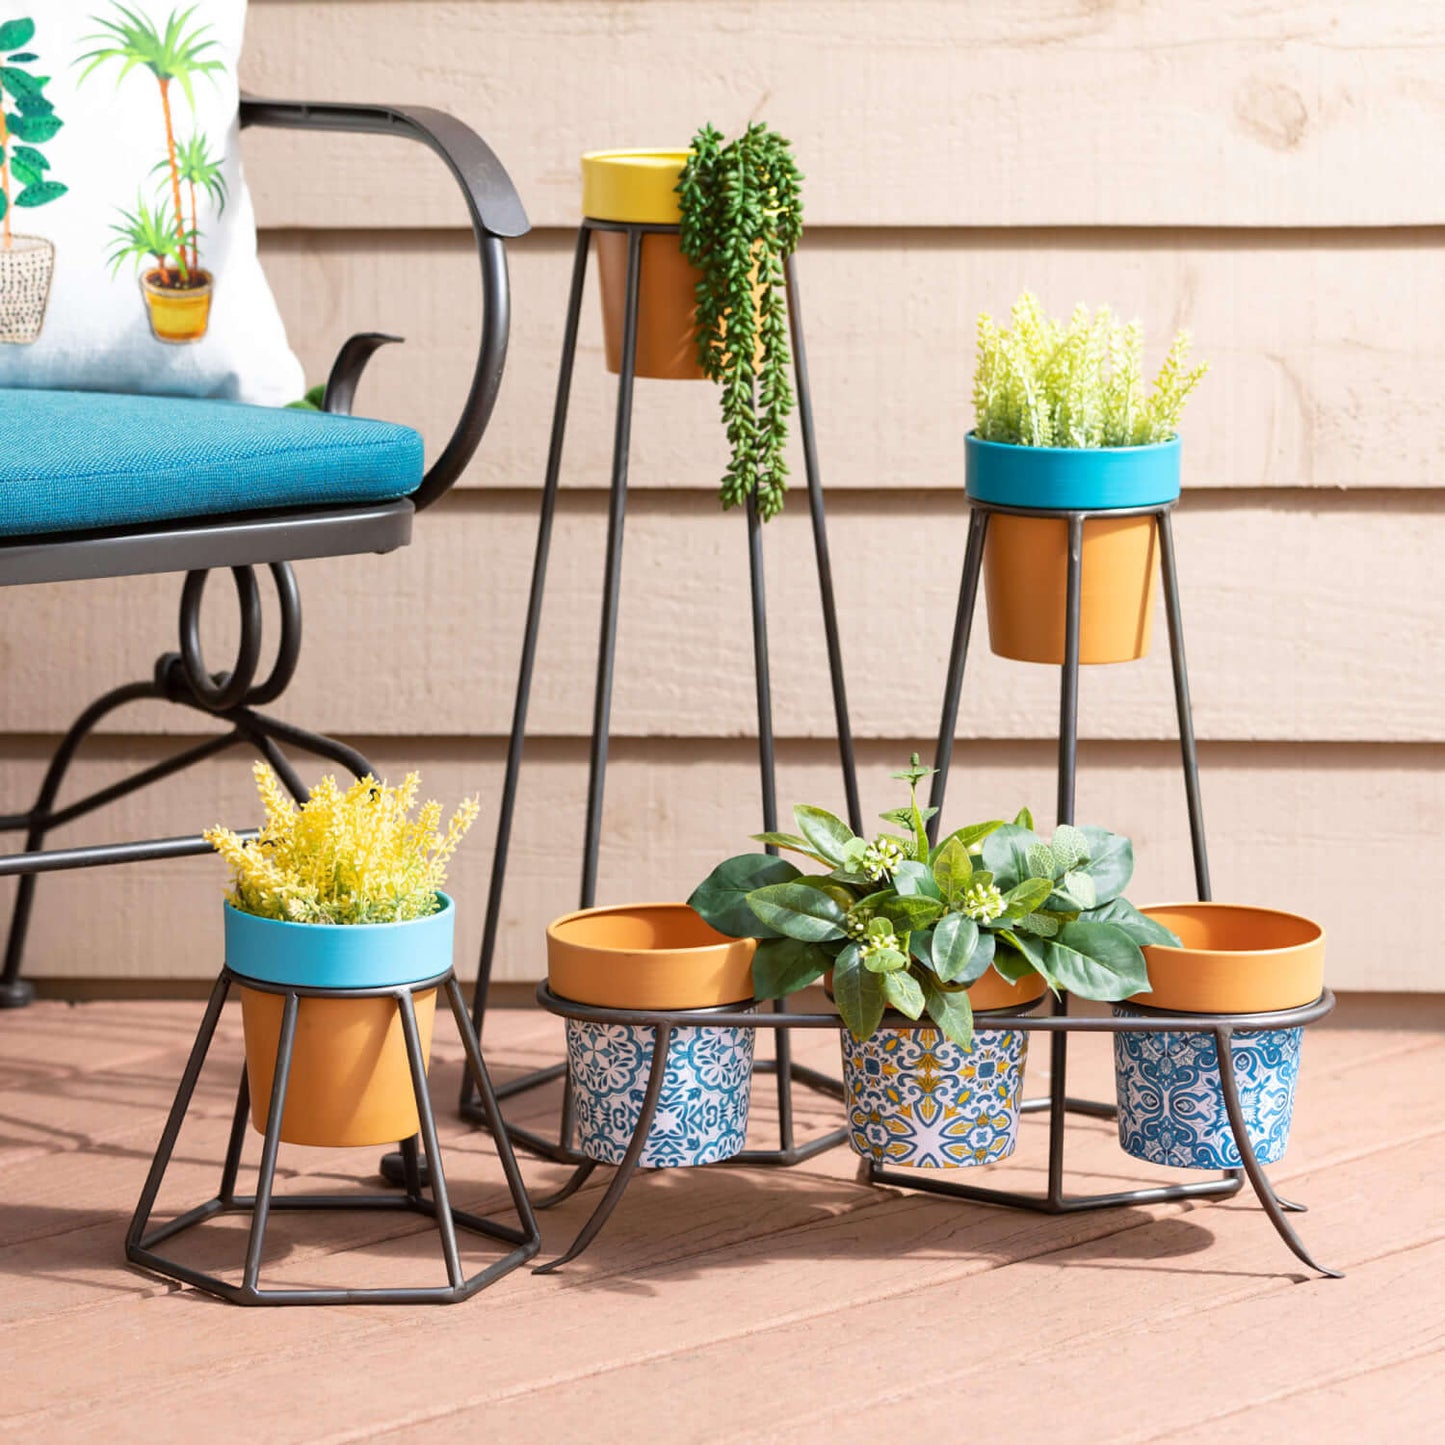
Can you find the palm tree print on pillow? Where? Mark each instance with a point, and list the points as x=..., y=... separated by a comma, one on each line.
x=177, y=289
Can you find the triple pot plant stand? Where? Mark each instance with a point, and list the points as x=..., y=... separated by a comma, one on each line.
x=1221, y=1028
x=636, y=225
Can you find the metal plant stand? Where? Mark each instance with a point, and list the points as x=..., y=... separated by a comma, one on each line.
x=1053, y=1201
x=562, y=1149
x=141, y=1245
x=1058, y=1102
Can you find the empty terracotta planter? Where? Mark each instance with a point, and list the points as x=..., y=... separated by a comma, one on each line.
x=663, y=956
x=638, y=185
x=1233, y=960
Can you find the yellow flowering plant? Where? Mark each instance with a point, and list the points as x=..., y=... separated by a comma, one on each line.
x=358, y=856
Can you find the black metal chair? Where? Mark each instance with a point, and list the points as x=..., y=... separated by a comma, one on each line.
x=361, y=502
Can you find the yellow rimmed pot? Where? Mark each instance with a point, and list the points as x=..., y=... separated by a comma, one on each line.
x=179, y=312
x=1231, y=960
x=917, y=1100
x=639, y=186
x=350, y=1083
x=655, y=956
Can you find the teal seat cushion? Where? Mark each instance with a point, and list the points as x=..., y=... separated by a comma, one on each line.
x=75, y=461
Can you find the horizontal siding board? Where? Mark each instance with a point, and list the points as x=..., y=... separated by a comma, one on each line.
x=1304, y=622
x=675, y=808
x=918, y=112
x=1314, y=340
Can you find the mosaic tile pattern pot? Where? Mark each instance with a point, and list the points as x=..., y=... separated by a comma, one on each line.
x=917, y=1100
x=702, y=1116
x=1171, y=1101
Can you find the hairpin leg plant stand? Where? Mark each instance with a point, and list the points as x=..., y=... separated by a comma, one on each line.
x=143, y=1242
x=562, y=1148
x=1059, y=1025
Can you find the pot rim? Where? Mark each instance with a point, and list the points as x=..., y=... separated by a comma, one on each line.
x=447, y=906
x=1174, y=443
x=595, y=912
x=653, y=157
x=37, y=243
x=1218, y=905
x=176, y=291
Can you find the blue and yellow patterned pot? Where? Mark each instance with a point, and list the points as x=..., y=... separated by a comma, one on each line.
x=918, y=1100
x=1171, y=1101
x=702, y=1116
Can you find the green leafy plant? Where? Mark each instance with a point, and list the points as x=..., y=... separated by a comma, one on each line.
x=27, y=122
x=1047, y=383
x=150, y=232
x=199, y=170
x=909, y=925
x=742, y=215
x=173, y=54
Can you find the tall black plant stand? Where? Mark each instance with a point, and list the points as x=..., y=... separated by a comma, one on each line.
x=1058, y=1104
x=141, y=1243
x=788, y=1072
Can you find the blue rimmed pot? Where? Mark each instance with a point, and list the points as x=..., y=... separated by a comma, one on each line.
x=1234, y=962
x=917, y=1100
x=350, y=1084
x=1026, y=558
x=655, y=956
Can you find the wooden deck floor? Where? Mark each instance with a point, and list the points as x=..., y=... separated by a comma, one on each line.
x=726, y=1304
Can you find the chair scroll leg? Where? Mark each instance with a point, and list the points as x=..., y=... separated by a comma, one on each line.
x=1274, y=1207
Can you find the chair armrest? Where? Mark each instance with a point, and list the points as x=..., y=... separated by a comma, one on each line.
x=496, y=212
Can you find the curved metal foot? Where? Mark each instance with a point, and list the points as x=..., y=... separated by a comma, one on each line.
x=1274, y=1207
x=16, y=993
x=1290, y=1205
x=580, y=1176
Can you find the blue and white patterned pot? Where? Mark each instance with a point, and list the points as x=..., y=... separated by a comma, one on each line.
x=1171, y=1101
x=702, y=1115
x=919, y=1100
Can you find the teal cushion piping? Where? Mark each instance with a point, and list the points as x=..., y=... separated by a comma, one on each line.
x=82, y=461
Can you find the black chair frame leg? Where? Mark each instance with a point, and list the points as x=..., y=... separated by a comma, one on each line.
x=523, y=1238
x=561, y=1147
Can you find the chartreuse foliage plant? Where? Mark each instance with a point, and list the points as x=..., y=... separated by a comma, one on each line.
x=27, y=122
x=742, y=215
x=358, y=856
x=907, y=925
x=1079, y=383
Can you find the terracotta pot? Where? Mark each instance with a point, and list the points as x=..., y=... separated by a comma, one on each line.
x=1234, y=960
x=26, y=269
x=178, y=315
x=655, y=955
x=994, y=991
x=647, y=955
x=350, y=1083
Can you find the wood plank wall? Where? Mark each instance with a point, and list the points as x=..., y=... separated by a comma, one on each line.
x=1259, y=174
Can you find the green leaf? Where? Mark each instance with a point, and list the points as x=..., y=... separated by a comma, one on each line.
x=32, y=158
x=1024, y=897
x=1009, y=963
x=952, y=869
x=914, y=773
x=903, y=992
x=826, y=834
x=23, y=57
x=858, y=994
x=1079, y=886
x=784, y=965
x=16, y=34
x=955, y=938
x=27, y=175
x=972, y=835
x=721, y=898
x=1041, y=925
x=1069, y=846
x=1097, y=960
x=793, y=844
x=34, y=128
x=952, y=1011
x=40, y=194
x=1042, y=862
x=20, y=83
x=1139, y=926
x=798, y=910
x=1024, y=819
x=4, y=205
x=903, y=817
x=909, y=911
x=983, y=956
x=1111, y=863
x=1034, y=953
x=1006, y=854
x=914, y=878
x=885, y=960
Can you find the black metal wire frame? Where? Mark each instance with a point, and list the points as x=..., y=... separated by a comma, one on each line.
x=1059, y=1025
x=788, y=1072
x=141, y=1243
x=1058, y=1103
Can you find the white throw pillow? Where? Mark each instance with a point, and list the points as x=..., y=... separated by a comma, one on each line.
x=114, y=112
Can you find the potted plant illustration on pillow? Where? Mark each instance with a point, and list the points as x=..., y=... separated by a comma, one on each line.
x=177, y=288
x=27, y=121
